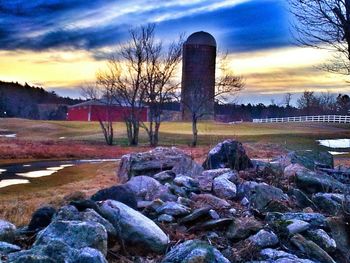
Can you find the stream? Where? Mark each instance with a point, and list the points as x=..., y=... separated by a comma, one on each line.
x=21, y=173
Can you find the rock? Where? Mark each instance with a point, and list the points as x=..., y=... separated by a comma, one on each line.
x=165, y=176
x=213, y=214
x=71, y=213
x=194, y=251
x=213, y=224
x=340, y=230
x=7, y=231
x=308, y=159
x=312, y=182
x=133, y=227
x=291, y=170
x=89, y=255
x=263, y=194
x=245, y=189
x=155, y=161
x=233, y=211
x=228, y=154
x=274, y=255
x=245, y=201
x=173, y=209
x=301, y=199
x=7, y=248
x=120, y=193
x=329, y=203
x=76, y=234
x=241, y=228
x=297, y=226
x=264, y=239
x=321, y=238
x=224, y=188
x=57, y=252
x=41, y=218
x=315, y=219
x=311, y=249
x=211, y=201
x=146, y=188
x=165, y=218
x=82, y=205
x=196, y=216
x=186, y=181
x=205, y=179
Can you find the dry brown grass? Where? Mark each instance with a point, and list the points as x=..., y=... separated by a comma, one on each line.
x=17, y=203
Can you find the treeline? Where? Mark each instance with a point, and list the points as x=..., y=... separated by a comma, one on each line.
x=25, y=101
x=307, y=104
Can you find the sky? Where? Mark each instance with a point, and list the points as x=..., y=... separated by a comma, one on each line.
x=61, y=44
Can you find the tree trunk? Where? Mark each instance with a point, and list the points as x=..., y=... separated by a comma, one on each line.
x=194, y=132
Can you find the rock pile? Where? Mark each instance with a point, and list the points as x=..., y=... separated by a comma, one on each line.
x=171, y=209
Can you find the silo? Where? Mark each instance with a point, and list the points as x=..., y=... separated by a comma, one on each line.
x=198, y=76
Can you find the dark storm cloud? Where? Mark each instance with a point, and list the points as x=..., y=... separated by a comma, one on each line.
x=39, y=25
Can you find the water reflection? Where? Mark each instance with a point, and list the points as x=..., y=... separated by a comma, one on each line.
x=335, y=143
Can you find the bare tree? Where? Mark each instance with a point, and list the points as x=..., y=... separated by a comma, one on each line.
x=226, y=86
x=325, y=24
x=308, y=102
x=125, y=77
x=160, y=68
x=104, y=96
x=287, y=98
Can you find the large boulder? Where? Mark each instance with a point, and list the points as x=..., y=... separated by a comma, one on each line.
x=133, y=227
x=228, y=154
x=312, y=182
x=121, y=193
x=76, y=234
x=155, y=161
x=195, y=251
x=146, y=188
x=7, y=231
x=41, y=218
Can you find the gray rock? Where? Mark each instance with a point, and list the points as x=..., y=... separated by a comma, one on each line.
x=41, y=218
x=7, y=231
x=186, y=181
x=205, y=179
x=120, y=193
x=242, y=228
x=146, y=188
x=209, y=200
x=194, y=251
x=263, y=194
x=213, y=224
x=165, y=176
x=311, y=249
x=71, y=213
x=173, y=209
x=297, y=226
x=133, y=227
x=264, y=239
x=281, y=256
x=213, y=214
x=291, y=170
x=329, y=203
x=7, y=248
x=57, y=252
x=339, y=230
x=315, y=219
x=155, y=161
x=302, y=200
x=224, y=188
x=76, y=234
x=228, y=154
x=197, y=215
x=321, y=238
x=166, y=218
x=312, y=182
x=245, y=189
x=245, y=201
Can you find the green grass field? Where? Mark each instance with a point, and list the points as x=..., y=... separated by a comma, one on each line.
x=289, y=135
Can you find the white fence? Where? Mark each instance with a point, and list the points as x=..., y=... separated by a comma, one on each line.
x=320, y=118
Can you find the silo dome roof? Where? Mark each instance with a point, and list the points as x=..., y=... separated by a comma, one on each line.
x=201, y=38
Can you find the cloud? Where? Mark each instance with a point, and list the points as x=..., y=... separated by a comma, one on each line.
x=239, y=25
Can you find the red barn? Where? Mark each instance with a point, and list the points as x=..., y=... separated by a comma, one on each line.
x=94, y=110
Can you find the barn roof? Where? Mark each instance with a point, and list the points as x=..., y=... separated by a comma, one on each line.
x=101, y=102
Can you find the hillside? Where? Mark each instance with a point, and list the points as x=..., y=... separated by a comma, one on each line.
x=25, y=101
